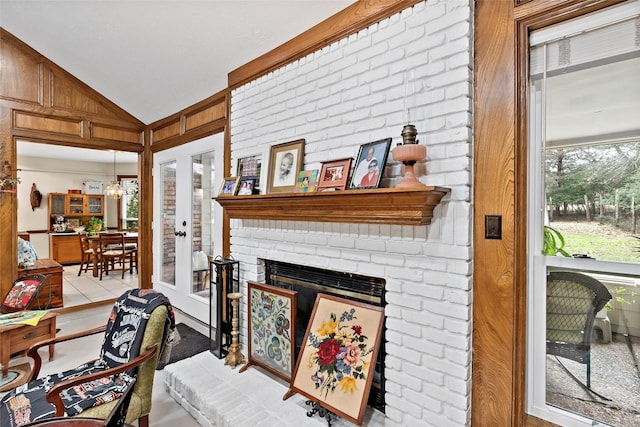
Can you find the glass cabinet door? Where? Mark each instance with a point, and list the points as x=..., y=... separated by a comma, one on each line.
x=94, y=204
x=76, y=205
x=56, y=206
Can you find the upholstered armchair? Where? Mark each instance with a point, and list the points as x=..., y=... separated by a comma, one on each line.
x=158, y=324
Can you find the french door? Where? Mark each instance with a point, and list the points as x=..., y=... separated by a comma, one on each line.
x=187, y=224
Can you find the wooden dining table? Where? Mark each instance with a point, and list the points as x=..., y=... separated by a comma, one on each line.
x=94, y=240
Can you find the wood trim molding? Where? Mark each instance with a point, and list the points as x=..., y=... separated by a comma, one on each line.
x=346, y=22
x=201, y=119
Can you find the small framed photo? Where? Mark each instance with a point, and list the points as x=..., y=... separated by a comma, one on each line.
x=370, y=163
x=229, y=186
x=334, y=175
x=250, y=166
x=246, y=186
x=307, y=181
x=285, y=162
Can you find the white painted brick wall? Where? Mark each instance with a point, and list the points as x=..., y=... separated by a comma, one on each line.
x=351, y=93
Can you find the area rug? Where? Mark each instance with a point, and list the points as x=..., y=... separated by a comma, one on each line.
x=17, y=376
x=191, y=343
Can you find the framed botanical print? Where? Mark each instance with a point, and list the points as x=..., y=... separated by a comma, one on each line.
x=285, y=162
x=338, y=355
x=271, y=334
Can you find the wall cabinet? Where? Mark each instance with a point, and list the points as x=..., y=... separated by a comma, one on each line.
x=75, y=206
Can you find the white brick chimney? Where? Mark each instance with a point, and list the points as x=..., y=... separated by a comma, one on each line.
x=351, y=93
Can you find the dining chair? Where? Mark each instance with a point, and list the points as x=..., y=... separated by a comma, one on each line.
x=86, y=252
x=112, y=249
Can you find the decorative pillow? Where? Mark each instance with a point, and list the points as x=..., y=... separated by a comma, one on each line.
x=27, y=255
x=21, y=294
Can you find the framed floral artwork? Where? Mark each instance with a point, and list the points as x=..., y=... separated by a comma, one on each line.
x=337, y=358
x=271, y=333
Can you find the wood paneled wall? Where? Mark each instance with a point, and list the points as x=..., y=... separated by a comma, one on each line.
x=501, y=33
x=41, y=102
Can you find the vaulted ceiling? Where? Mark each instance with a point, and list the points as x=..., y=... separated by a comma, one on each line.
x=154, y=58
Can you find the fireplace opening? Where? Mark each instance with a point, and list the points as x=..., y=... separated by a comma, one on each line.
x=309, y=282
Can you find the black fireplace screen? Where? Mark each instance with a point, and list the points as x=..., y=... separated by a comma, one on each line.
x=310, y=281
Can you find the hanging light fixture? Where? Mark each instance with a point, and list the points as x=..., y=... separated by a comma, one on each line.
x=114, y=189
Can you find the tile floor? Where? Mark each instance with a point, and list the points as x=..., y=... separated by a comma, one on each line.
x=165, y=411
x=84, y=289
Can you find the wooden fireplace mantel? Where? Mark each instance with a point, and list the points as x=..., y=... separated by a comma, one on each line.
x=400, y=206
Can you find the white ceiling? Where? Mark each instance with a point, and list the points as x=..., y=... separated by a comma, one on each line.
x=154, y=58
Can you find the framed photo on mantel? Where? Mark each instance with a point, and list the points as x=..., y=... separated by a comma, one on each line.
x=285, y=162
x=334, y=175
x=372, y=158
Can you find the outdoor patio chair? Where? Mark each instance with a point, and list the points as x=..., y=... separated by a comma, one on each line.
x=140, y=323
x=573, y=299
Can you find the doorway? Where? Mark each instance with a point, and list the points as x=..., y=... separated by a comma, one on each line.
x=187, y=225
x=52, y=168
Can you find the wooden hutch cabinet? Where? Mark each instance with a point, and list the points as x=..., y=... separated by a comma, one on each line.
x=81, y=206
x=65, y=247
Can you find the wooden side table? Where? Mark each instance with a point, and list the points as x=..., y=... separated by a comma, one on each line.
x=19, y=337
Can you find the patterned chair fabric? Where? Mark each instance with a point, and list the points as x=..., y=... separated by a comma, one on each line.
x=140, y=319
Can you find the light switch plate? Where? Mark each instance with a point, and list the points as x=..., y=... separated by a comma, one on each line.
x=493, y=226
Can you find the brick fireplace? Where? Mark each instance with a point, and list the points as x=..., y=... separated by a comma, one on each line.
x=351, y=93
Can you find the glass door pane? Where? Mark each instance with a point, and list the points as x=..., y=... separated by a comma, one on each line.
x=202, y=167
x=168, y=225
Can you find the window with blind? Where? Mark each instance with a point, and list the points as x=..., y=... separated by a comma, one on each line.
x=584, y=209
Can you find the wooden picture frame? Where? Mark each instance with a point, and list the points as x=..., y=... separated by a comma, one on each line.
x=271, y=329
x=246, y=186
x=229, y=186
x=307, y=181
x=338, y=355
x=250, y=166
x=334, y=175
x=376, y=150
x=285, y=162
